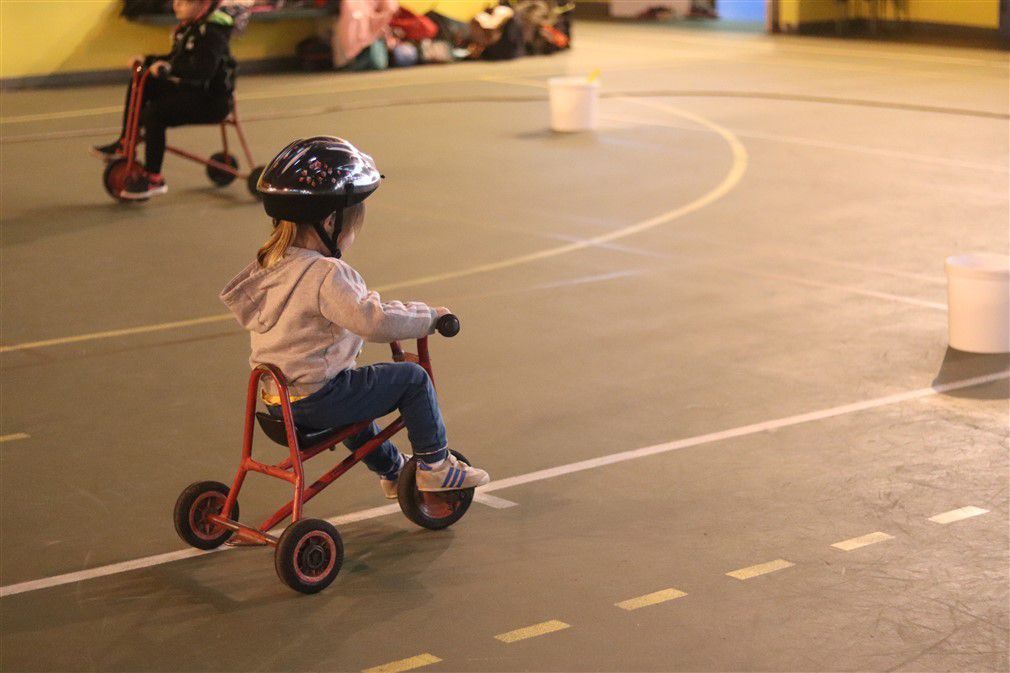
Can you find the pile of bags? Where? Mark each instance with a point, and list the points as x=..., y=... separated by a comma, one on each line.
x=376, y=34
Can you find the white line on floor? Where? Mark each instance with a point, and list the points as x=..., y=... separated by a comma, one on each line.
x=570, y=468
x=958, y=514
x=936, y=306
x=744, y=430
x=14, y=437
x=862, y=541
x=737, y=268
x=813, y=142
x=494, y=501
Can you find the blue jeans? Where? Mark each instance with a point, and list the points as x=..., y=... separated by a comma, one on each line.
x=356, y=395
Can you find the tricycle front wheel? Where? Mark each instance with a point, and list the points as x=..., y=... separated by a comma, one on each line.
x=432, y=510
x=117, y=174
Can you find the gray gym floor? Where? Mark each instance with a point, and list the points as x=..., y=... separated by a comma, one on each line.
x=740, y=275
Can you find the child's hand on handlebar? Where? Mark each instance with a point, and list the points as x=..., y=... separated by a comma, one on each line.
x=442, y=310
x=160, y=68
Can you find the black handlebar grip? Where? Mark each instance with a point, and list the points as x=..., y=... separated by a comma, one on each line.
x=447, y=325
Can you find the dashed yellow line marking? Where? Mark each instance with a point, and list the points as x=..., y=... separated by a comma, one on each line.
x=14, y=437
x=862, y=541
x=407, y=664
x=650, y=599
x=958, y=514
x=760, y=569
x=541, y=629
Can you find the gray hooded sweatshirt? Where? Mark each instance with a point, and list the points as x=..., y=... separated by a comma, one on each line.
x=310, y=314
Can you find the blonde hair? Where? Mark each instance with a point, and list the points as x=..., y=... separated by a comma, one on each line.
x=280, y=240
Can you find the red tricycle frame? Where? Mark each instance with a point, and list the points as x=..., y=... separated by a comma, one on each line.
x=222, y=167
x=292, y=468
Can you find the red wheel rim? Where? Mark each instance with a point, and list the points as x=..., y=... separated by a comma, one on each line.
x=314, y=556
x=208, y=503
x=117, y=177
x=439, y=504
x=115, y=181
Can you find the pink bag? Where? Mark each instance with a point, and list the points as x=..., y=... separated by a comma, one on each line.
x=361, y=22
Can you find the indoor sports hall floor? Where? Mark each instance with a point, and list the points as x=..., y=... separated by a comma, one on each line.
x=703, y=356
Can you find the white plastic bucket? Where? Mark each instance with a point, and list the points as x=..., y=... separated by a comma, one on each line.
x=574, y=101
x=978, y=302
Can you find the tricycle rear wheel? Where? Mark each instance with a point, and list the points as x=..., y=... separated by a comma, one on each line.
x=431, y=510
x=253, y=179
x=216, y=175
x=309, y=555
x=191, y=510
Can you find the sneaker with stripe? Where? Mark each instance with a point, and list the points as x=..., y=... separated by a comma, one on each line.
x=388, y=481
x=449, y=475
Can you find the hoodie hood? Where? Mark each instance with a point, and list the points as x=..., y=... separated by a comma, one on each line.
x=258, y=296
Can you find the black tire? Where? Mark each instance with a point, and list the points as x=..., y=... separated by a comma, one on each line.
x=115, y=177
x=309, y=555
x=216, y=175
x=254, y=177
x=194, y=503
x=433, y=511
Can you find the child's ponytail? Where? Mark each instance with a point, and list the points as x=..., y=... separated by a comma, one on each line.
x=273, y=250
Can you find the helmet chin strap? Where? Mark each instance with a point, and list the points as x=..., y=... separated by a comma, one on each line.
x=331, y=241
x=338, y=223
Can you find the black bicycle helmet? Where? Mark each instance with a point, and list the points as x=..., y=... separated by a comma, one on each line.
x=313, y=178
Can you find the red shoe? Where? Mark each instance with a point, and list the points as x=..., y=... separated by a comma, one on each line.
x=144, y=186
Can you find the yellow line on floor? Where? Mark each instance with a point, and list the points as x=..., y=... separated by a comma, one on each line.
x=407, y=664
x=760, y=569
x=117, y=333
x=257, y=95
x=541, y=629
x=650, y=599
x=862, y=541
x=66, y=114
x=726, y=185
x=14, y=437
x=958, y=514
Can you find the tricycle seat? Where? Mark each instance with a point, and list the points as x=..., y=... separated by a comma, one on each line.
x=273, y=428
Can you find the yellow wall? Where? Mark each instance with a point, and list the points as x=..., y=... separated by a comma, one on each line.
x=978, y=13
x=975, y=13
x=460, y=10
x=63, y=36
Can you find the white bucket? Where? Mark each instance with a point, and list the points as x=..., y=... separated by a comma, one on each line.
x=978, y=302
x=574, y=101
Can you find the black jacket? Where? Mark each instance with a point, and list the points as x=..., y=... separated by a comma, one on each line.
x=200, y=57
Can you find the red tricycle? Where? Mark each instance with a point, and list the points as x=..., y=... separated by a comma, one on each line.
x=309, y=552
x=222, y=167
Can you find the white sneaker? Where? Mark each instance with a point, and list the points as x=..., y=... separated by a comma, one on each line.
x=450, y=475
x=389, y=485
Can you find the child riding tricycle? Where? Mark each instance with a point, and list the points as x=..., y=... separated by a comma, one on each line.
x=193, y=84
x=308, y=313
